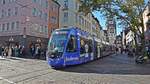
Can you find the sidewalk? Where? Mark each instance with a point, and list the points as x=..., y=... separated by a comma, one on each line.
x=2, y=58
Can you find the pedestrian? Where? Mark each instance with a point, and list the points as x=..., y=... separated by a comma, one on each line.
x=0, y=50
x=13, y=52
x=16, y=51
x=37, y=52
x=19, y=51
x=116, y=50
x=32, y=51
x=3, y=48
x=10, y=51
x=22, y=51
x=133, y=52
x=6, y=51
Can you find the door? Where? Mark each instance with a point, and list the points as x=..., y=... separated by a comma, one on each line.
x=72, y=53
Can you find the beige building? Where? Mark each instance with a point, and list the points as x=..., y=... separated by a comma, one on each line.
x=111, y=30
x=69, y=16
x=130, y=38
x=146, y=18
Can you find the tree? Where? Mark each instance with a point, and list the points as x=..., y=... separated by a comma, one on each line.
x=126, y=12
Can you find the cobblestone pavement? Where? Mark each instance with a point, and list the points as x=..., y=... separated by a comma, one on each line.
x=115, y=69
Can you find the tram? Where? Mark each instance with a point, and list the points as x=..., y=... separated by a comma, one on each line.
x=72, y=46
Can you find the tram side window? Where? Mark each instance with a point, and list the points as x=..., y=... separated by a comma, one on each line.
x=96, y=48
x=82, y=45
x=71, y=47
x=85, y=46
x=90, y=46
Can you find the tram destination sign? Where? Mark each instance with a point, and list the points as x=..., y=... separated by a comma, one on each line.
x=61, y=32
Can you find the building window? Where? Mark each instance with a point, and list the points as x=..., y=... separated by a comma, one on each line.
x=80, y=20
x=40, y=14
x=10, y=1
x=46, y=4
x=0, y=14
x=40, y=2
x=7, y=26
x=34, y=11
x=3, y=1
x=40, y=29
x=76, y=18
x=45, y=16
x=3, y=13
x=53, y=20
x=46, y=30
x=9, y=12
x=3, y=27
x=65, y=16
x=0, y=27
x=16, y=11
x=76, y=5
x=66, y=4
x=12, y=25
x=17, y=25
x=34, y=1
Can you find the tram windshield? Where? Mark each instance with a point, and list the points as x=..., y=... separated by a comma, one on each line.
x=57, y=42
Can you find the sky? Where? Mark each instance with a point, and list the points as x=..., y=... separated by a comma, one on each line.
x=102, y=20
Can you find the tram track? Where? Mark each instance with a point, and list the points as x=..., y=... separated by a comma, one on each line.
x=34, y=76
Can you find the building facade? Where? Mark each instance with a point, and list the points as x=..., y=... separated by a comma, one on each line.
x=111, y=30
x=24, y=22
x=119, y=41
x=130, y=42
x=53, y=20
x=106, y=39
x=146, y=19
x=69, y=16
x=123, y=35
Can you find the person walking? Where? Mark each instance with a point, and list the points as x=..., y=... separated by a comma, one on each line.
x=13, y=52
x=16, y=51
x=32, y=51
x=0, y=50
x=9, y=51
x=6, y=51
x=19, y=51
x=37, y=52
x=22, y=51
x=3, y=51
x=116, y=51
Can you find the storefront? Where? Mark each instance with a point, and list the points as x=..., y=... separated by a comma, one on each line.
x=26, y=42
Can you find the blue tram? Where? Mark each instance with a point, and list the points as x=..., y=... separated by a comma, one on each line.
x=71, y=46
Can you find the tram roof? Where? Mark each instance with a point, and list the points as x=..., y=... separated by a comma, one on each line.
x=81, y=32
